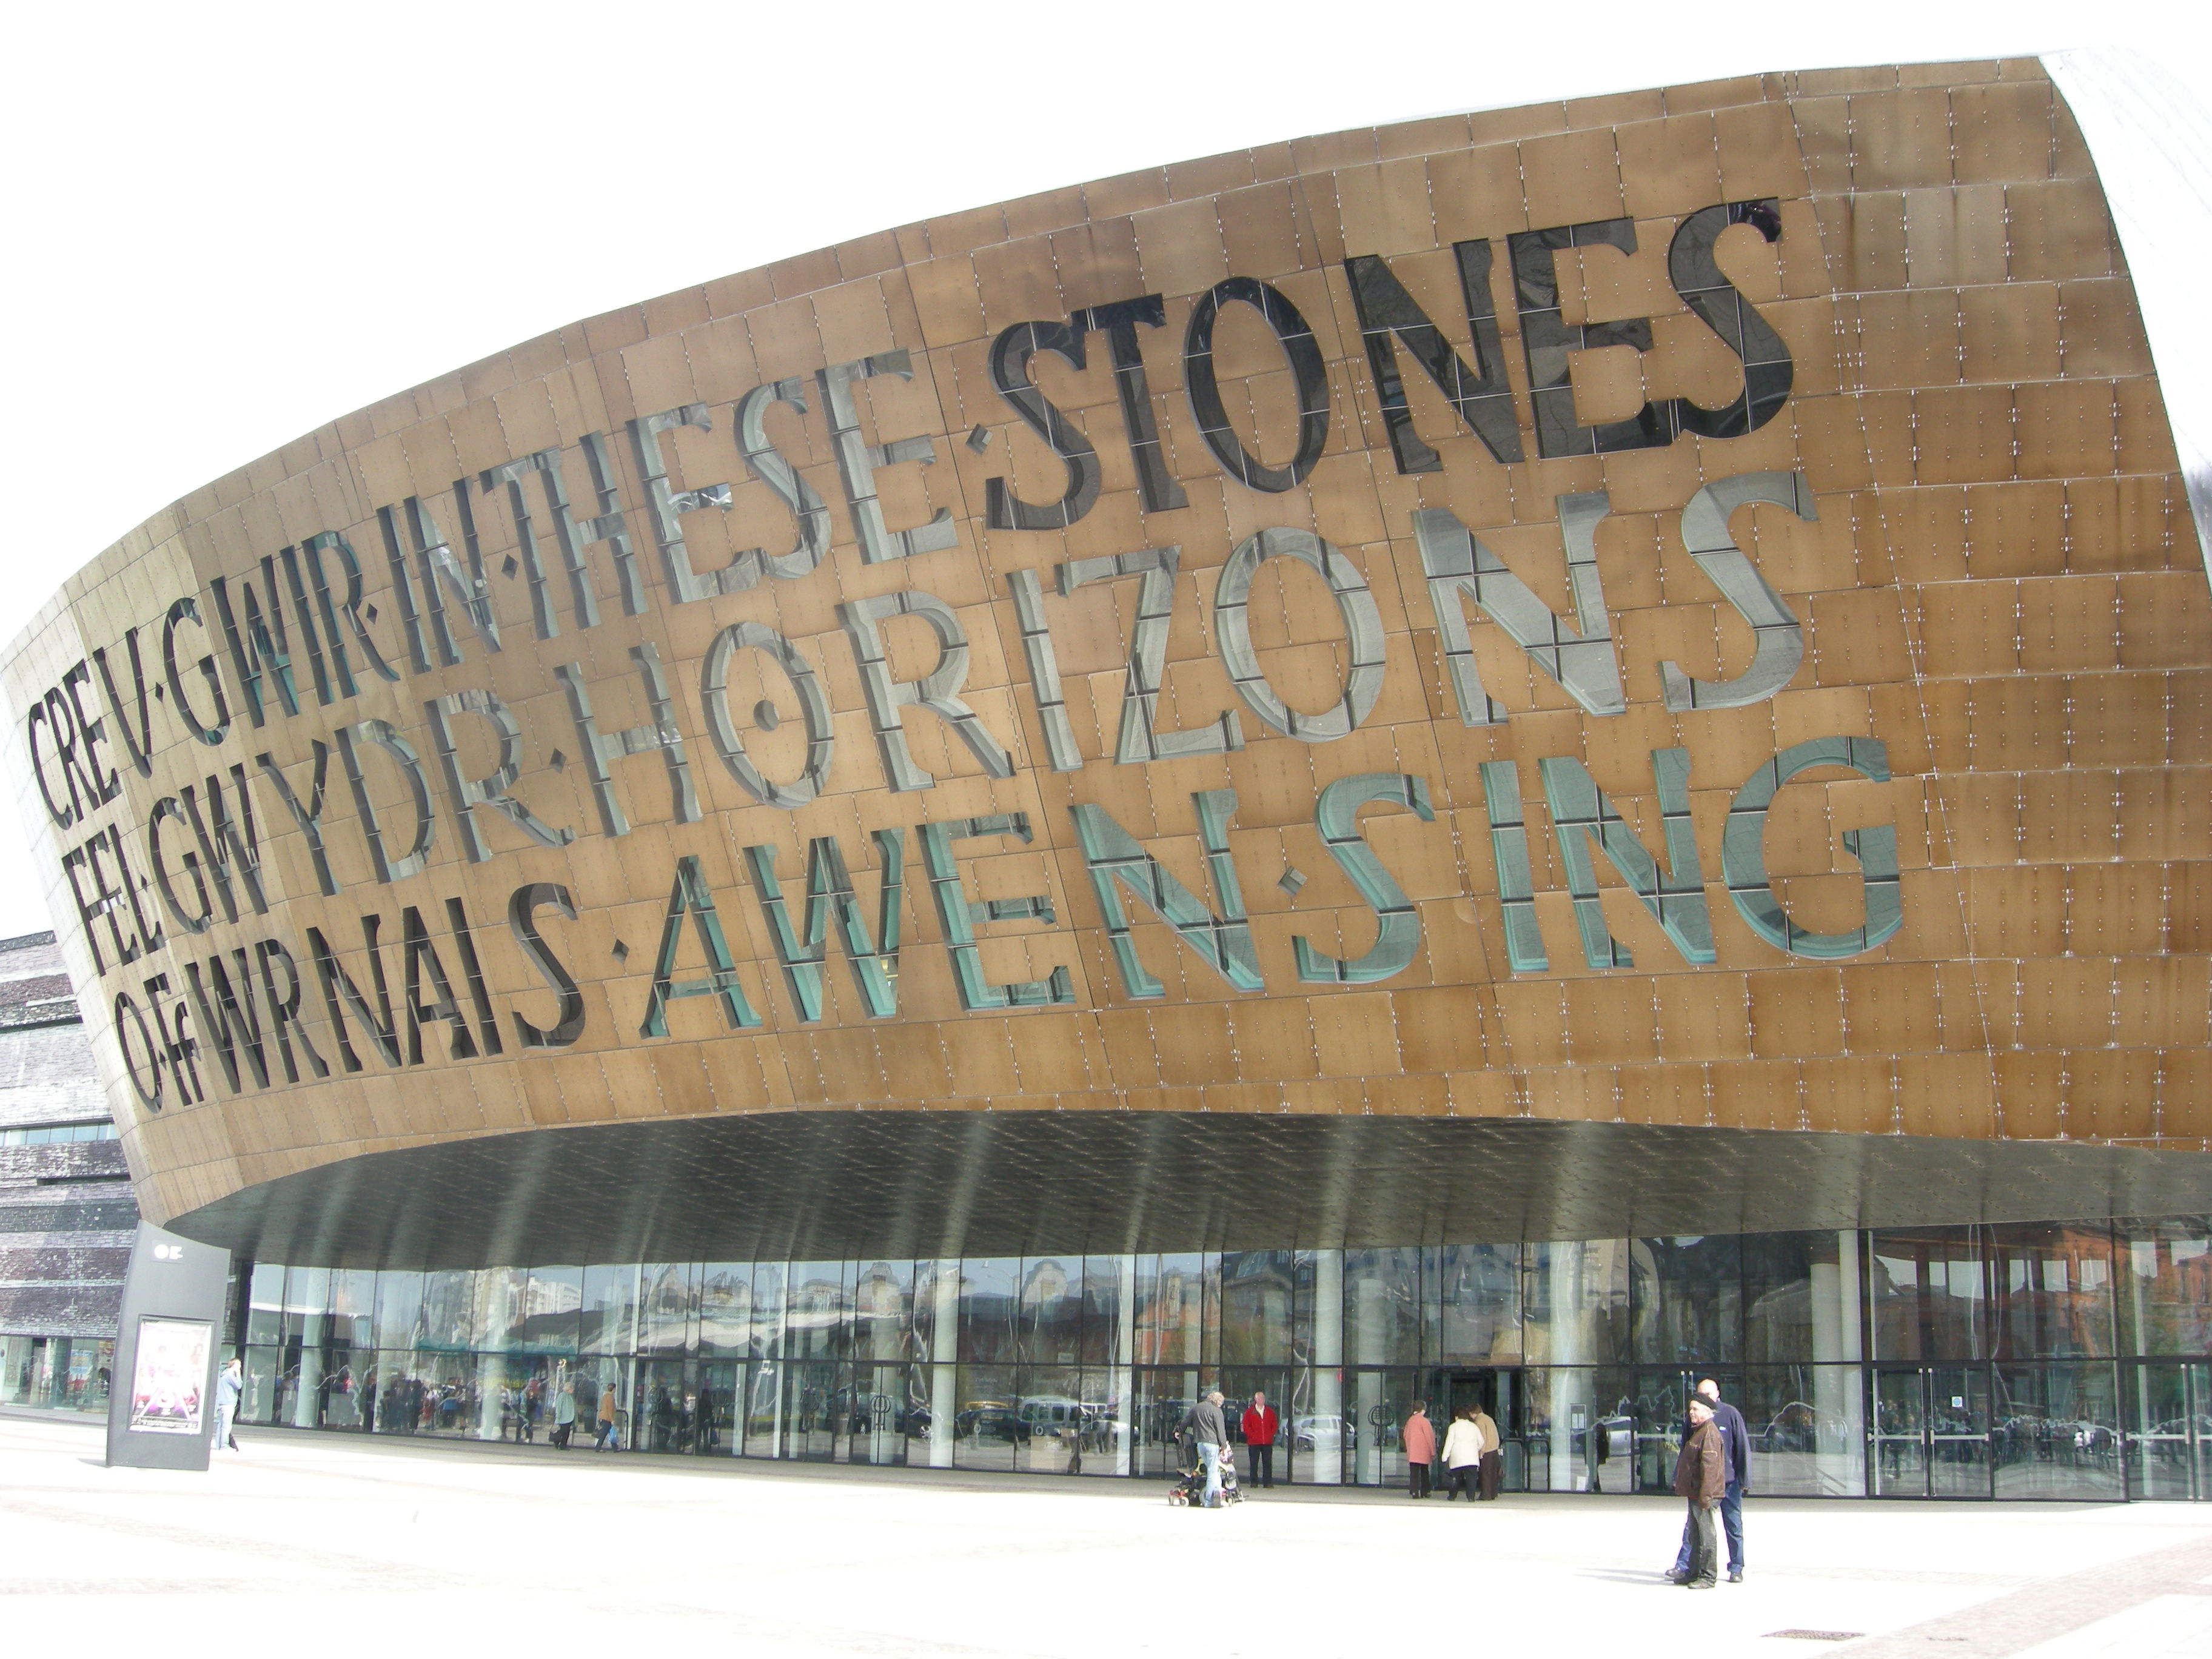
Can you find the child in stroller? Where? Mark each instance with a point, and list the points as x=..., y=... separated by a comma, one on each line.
x=1189, y=1489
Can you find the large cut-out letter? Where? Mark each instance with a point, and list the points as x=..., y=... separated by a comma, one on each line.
x=1578, y=655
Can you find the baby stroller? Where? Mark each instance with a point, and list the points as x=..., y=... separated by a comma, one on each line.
x=1189, y=1491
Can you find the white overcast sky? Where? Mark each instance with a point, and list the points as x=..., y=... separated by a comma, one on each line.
x=226, y=224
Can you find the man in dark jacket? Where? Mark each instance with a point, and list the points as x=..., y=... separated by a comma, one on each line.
x=1205, y=1426
x=1735, y=1443
x=1700, y=1477
x=1737, y=1440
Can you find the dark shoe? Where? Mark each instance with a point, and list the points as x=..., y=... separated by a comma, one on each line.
x=1676, y=1575
x=1735, y=1575
x=1698, y=1583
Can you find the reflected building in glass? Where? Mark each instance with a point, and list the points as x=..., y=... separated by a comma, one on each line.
x=2061, y=1361
x=1517, y=758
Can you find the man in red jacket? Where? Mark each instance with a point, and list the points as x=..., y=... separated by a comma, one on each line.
x=1260, y=1426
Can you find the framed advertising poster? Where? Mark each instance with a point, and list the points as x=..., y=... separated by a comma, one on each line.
x=168, y=1383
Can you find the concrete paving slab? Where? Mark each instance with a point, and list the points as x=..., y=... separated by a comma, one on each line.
x=399, y=1539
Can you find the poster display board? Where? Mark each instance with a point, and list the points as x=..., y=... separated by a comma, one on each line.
x=168, y=1394
x=169, y=1345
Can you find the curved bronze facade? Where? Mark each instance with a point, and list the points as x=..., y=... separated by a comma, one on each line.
x=1675, y=609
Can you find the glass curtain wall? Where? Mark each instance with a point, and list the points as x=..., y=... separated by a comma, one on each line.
x=2064, y=1361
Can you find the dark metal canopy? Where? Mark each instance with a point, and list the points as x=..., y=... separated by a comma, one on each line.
x=829, y=1186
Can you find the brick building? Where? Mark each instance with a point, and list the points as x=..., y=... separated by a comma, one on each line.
x=66, y=1212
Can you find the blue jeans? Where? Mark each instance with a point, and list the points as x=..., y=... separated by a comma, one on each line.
x=1210, y=1456
x=1731, y=1524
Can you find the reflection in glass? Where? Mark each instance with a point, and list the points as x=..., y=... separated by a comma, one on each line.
x=883, y=1311
x=1255, y=1308
x=399, y=1309
x=2002, y=1359
x=726, y=1308
x=2054, y=1432
x=503, y=1296
x=1108, y=1296
x=1659, y=1407
x=1900, y=1434
x=987, y=1431
x=256, y=1403
x=1565, y=1446
x=1688, y=1294
x=818, y=1315
x=2162, y=1428
x=763, y=1389
x=1382, y=1401
x=551, y=1315
x=1958, y=1416
x=716, y=1430
x=2051, y=1292
x=1382, y=1307
x=1171, y=1323
x=1807, y=1430
x=665, y=1308
x=609, y=1311
x=1052, y=1309
x=353, y=1308
x=448, y=1318
x=768, y=1280
x=989, y=1296
x=886, y=1398
x=1930, y=1294
x=1053, y=1412
x=264, y=1317
x=2166, y=1286
x=1480, y=1289
x=1575, y=1302
x=663, y=1407
x=1779, y=1295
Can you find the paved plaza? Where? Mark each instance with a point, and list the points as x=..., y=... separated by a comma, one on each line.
x=406, y=1541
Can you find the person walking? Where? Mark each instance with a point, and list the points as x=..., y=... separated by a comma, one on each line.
x=1493, y=1470
x=1463, y=1456
x=1209, y=1434
x=1736, y=1437
x=1700, y=1478
x=564, y=1415
x=608, y=1407
x=1421, y=1440
x=1735, y=1443
x=1261, y=1425
x=227, y=1387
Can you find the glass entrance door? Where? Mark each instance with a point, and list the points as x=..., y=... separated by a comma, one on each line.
x=1929, y=1432
x=715, y=1429
x=2169, y=1439
x=1498, y=1390
x=661, y=1418
x=817, y=1404
x=1958, y=1431
x=1899, y=1429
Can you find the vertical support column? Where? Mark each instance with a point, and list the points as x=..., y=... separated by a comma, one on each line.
x=16, y=1370
x=1570, y=1389
x=308, y=1395
x=1369, y=1318
x=1839, y=1396
x=768, y=1351
x=1328, y=1362
x=491, y=1393
x=1125, y=1369
x=944, y=1353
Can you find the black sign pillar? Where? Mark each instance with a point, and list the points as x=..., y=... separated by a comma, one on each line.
x=161, y=1403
